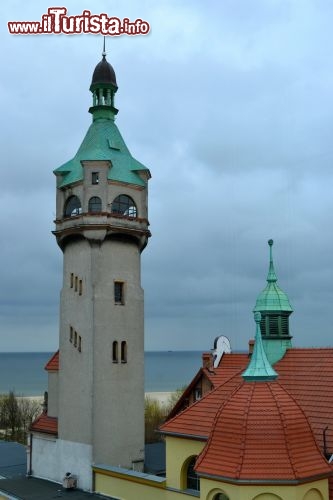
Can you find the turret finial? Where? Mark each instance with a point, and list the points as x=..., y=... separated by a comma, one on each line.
x=104, y=52
x=271, y=277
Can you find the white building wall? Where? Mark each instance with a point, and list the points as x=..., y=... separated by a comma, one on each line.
x=52, y=458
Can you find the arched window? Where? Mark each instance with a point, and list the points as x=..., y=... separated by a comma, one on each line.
x=192, y=478
x=124, y=352
x=95, y=204
x=221, y=496
x=124, y=205
x=72, y=207
x=115, y=352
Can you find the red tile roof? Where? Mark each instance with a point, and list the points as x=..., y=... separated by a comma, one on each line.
x=53, y=364
x=45, y=424
x=306, y=374
x=197, y=420
x=232, y=364
x=260, y=433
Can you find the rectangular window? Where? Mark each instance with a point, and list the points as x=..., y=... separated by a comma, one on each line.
x=119, y=292
x=124, y=352
x=71, y=334
x=94, y=177
x=80, y=344
x=72, y=280
x=75, y=339
x=80, y=287
x=115, y=352
x=76, y=283
x=197, y=394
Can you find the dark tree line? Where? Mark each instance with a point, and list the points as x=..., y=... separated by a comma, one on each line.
x=16, y=415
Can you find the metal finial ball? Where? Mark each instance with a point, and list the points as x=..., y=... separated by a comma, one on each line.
x=257, y=317
x=270, y=242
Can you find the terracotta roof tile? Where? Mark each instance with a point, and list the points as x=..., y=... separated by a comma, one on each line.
x=197, y=420
x=306, y=374
x=53, y=364
x=45, y=424
x=260, y=433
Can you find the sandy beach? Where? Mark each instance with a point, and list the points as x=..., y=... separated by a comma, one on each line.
x=161, y=397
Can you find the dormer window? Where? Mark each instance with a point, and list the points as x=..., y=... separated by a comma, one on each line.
x=94, y=177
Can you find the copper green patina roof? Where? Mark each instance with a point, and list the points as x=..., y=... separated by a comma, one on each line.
x=272, y=298
x=103, y=141
x=259, y=368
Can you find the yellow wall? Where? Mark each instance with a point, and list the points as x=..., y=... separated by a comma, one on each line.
x=177, y=452
x=129, y=489
x=317, y=490
x=126, y=490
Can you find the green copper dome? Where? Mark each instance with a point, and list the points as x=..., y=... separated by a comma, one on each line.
x=272, y=298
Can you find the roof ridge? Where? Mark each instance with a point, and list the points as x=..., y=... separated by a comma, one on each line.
x=300, y=409
x=283, y=419
x=243, y=445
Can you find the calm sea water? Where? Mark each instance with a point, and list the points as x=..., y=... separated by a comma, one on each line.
x=164, y=371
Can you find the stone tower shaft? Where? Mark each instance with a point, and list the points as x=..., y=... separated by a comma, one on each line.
x=102, y=227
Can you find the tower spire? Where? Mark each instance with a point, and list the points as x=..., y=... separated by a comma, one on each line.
x=259, y=368
x=103, y=88
x=271, y=277
x=275, y=309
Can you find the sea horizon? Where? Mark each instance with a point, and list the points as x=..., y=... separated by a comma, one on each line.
x=165, y=371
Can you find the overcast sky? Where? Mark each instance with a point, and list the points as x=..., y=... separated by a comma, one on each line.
x=230, y=105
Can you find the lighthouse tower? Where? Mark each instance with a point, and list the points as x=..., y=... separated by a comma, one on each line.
x=95, y=410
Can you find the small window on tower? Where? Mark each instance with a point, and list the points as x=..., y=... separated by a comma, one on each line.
x=71, y=334
x=124, y=352
x=115, y=352
x=80, y=287
x=95, y=178
x=80, y=344
x=95, y=204
x=119, y=292
x=72, y=280
x=75, y=339
x=76, y=283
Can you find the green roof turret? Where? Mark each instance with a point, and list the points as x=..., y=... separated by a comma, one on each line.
x=259, y=368
x=103, y=87
x=274, y=306
x=103, y=140
x=272, y=298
